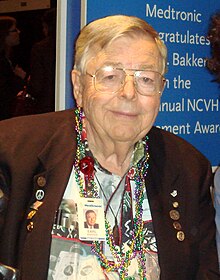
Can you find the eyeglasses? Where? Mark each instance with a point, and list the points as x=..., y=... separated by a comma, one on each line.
x=14, y=30
x=110, y=80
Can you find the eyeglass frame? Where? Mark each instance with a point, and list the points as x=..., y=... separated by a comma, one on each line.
x=127, y=74
x=14, y=30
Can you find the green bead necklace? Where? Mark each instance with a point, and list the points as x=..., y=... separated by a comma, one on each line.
x=122, y=259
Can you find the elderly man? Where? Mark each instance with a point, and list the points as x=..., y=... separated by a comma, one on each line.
x=150, y=187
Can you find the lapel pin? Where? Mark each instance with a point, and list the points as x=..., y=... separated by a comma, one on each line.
x=39, y=194
x=177, y=226
x=31, y=214
x=180, y=235
x=36, y=205
x=174, y=215
x=174, y=193
x=175, y=204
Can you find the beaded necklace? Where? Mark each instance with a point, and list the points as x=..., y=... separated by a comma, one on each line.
x=122, y=259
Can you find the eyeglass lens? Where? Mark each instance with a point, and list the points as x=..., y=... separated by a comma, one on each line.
x=111, y=80
x=13, y=30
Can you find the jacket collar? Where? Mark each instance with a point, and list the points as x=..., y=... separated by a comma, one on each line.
x=60, y=146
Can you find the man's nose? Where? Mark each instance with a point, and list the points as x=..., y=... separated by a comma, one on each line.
x=128, y=91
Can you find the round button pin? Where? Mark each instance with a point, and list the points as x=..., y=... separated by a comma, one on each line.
x=180, y=235
x=174, y=215
x=41, y=181
x=39, y=194
x=175, y=204
x=177, y=225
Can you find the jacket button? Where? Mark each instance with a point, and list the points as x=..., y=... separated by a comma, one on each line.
x=30, y=226
x=41, y=181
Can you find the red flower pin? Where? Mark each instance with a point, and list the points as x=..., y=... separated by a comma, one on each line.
x=131, y=173
x=86, y=166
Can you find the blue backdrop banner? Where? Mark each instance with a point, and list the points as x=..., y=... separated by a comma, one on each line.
x=190, y=103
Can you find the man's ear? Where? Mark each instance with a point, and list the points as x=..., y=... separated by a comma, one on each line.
x=77, y=88
x=163, y=86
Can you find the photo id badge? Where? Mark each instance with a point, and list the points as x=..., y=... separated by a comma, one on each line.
x=91, y=219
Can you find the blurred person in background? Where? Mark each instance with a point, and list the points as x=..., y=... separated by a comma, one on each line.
x=213, y=63
x=12, y=77
x=42, y=66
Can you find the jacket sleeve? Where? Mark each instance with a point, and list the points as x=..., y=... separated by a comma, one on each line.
x=217, y=207
x=208, y=261
x=4, y=197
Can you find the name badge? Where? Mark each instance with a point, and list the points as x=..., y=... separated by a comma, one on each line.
x=91, y=219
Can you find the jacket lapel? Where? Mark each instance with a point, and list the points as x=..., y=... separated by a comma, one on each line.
x=164, y=186
x=56, y=162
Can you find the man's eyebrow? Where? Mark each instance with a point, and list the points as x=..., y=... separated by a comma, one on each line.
x=144, y=66
x=147, y=66
x=113, y=64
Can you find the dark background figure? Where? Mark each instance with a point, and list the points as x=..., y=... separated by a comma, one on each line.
x=213, y=63
x=12, y=76
x=42, y=66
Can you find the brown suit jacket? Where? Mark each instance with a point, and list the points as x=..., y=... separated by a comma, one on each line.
x=37, y=153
